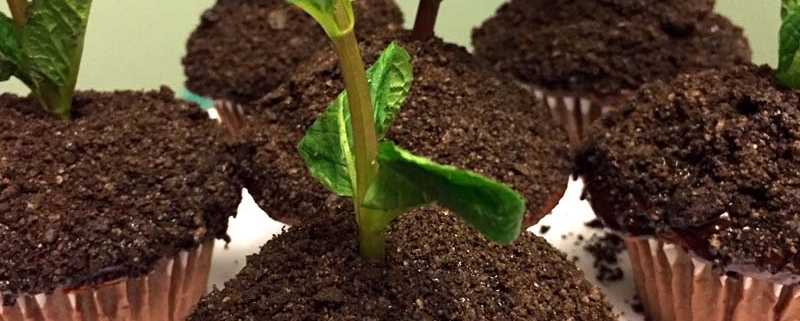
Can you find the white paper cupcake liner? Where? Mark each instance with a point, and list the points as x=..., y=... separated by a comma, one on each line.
x=674, y=286
x=168, y=293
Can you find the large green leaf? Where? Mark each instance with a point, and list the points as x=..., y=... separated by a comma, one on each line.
x=52, y=40
x=323, y=11
x=328, y=148
x=406, y=181
x=789, y=52
x=9, y=48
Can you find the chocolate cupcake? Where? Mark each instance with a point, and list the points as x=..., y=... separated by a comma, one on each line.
x=436, y=268
x=243, y=49
x=112, y=215
x=701, y=175
x=584, y=56
x=457, y=113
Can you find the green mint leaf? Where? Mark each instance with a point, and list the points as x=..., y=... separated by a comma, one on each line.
x=9, y=48
x=788, y=7
x=323, y=11
x=789, y=52
x=327, y=148
x=406, y=181
x=390, y=81
x=52, y=40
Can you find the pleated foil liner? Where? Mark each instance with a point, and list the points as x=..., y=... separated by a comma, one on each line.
x=674, y=286
x=574, y=112
x=168, y=293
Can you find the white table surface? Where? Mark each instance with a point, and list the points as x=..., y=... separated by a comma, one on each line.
x=252, y=228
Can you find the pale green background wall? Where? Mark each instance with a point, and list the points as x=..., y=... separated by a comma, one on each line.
x=137, y=44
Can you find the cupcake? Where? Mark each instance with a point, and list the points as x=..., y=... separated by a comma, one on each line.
x=457, y=113
x=243, y=49
x=700, y=175
x=583, y=56
x=436, y=268
x=112, y=215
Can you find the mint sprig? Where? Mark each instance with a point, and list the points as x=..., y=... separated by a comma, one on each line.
x=346, y=150
x=788, y=71
x=328, y=148
x=45, y=54
x=405, y=181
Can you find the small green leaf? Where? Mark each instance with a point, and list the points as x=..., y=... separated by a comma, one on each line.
x=9, y=48
x=789, y=52
x=324, y=12
x=406, y=181
x=328, y=148
x=390, y=81
x=788, y=7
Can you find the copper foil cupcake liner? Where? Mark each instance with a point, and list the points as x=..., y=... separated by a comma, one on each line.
x=675, y=286
x=575, y=112
x=168, y=293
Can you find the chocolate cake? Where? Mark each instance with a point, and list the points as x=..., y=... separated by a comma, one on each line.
x=700, y=174
x=709, y=159
x=605, y=47
x=132, y=179
x=243, y=49
x=436, y=268
x=457, y=113
x=584, y=56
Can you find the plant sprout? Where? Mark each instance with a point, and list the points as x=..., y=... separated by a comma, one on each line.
x=41, y=45
x=425, y=21
x=346, y=148
x=788, y=71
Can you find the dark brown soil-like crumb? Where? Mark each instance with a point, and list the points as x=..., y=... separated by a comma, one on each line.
x=437, y=268
x=606, y=250
x=277, y=177
x=544, y=229
x=605, y=47
x=709, y=161
x=595, y=224
x=637, y=305
x=457, y=113
x=133, y=178
x=245, y=48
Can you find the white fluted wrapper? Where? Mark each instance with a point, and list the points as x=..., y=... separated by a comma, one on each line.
x=168, y=293
x=674, y=286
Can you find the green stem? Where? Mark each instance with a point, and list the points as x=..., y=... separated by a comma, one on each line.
x=424, y=24
x=18, y=10
x=56, y=100
x=372, y=245
x=364, y=136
